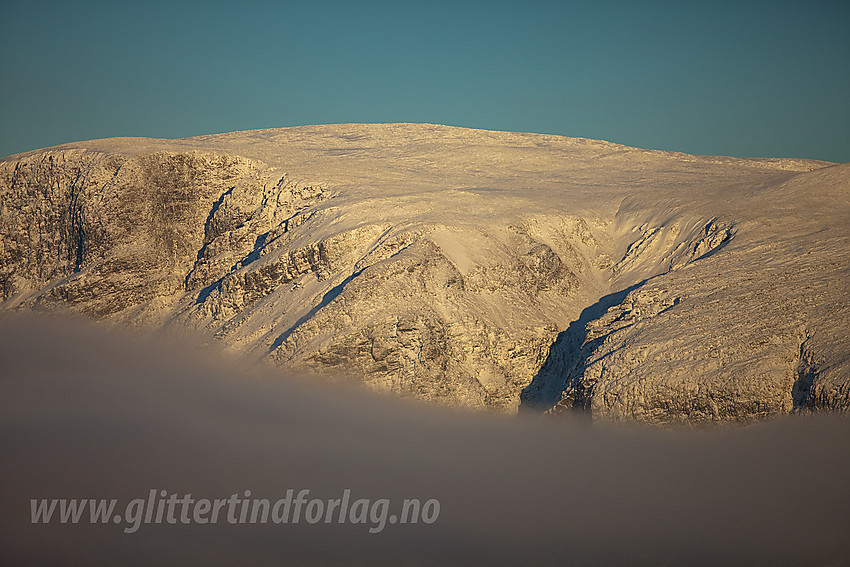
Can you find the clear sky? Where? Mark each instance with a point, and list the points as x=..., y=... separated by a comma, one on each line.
x=736, y=78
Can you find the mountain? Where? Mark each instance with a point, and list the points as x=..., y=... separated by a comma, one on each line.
x=490, y=270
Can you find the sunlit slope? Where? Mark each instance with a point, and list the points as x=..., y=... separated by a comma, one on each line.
x=462, y=266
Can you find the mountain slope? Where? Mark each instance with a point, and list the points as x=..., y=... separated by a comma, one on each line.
x=475, y=268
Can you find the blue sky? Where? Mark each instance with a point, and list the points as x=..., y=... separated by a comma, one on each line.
x=765, y=79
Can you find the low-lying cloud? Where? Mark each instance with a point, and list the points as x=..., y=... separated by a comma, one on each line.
x=88, y=414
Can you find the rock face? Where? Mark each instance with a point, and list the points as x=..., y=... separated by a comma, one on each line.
x=473, y=268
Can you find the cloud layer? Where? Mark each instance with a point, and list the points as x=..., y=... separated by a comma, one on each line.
x=87, y=414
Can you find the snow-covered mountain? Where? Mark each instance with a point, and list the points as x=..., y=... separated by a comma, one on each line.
x=475, y=268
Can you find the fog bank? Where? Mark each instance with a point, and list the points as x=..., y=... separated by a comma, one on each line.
x=88, y=414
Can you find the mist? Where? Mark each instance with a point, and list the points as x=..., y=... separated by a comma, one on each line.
x=88, y=412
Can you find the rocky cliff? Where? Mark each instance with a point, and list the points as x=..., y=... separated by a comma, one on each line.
x=474, y=268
